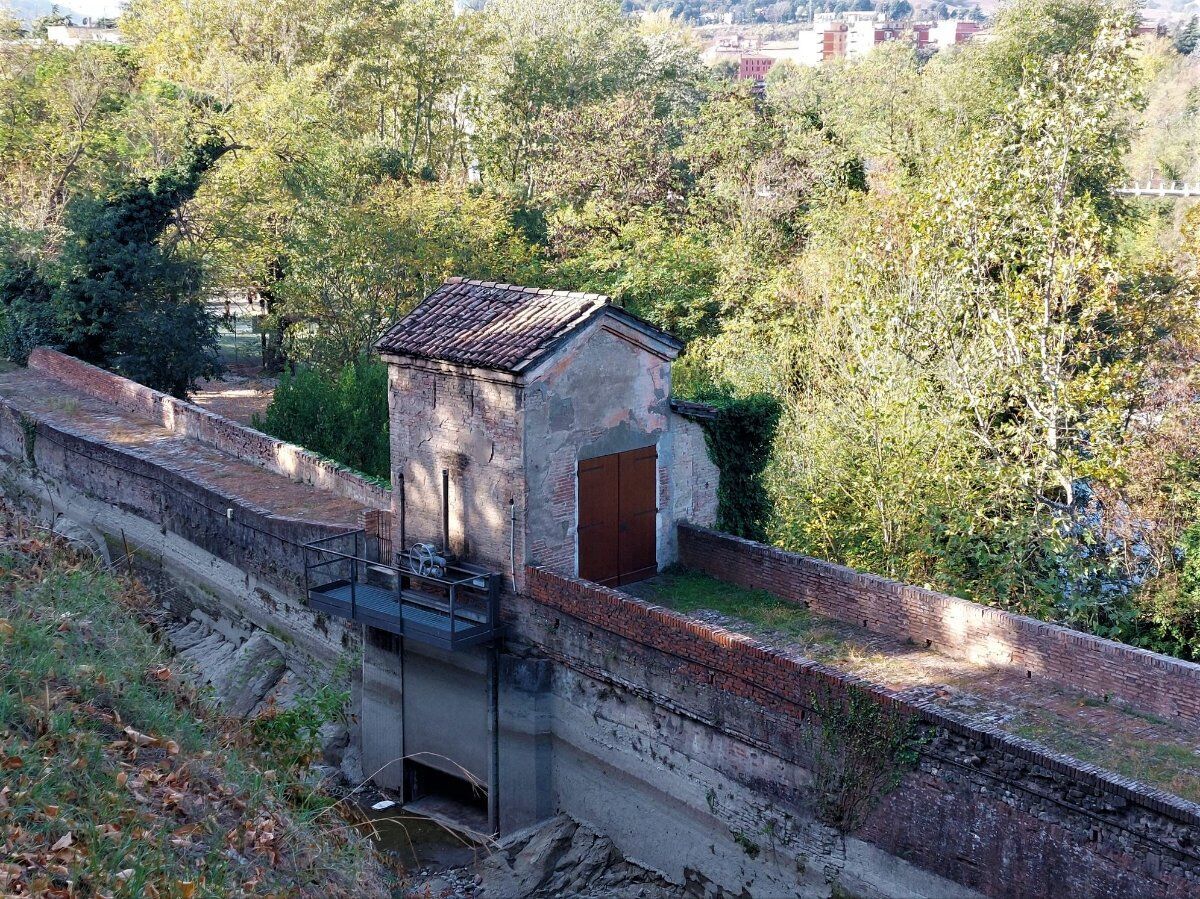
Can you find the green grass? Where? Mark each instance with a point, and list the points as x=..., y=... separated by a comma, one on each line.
x=117, y=778
x=690, y=591
x=1170, y=766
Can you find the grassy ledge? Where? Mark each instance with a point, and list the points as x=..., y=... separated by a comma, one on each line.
x=117, y=778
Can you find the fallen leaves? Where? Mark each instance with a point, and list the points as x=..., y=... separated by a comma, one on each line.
x=140, y=739
x=93, y=805
x=63, y=842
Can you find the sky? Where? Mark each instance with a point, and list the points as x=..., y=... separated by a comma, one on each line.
x=94, y=7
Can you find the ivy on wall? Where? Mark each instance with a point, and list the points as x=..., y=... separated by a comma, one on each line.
x=861, y=749
x=739, y=442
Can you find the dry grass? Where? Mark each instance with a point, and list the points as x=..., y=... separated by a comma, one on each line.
x=116, y=778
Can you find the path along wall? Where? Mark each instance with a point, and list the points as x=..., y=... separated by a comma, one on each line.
x=955, y=627
x=984, y=809
x=189, y=420
x=260, y=543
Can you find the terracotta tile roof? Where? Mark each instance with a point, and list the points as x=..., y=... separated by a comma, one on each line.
x=490, y=325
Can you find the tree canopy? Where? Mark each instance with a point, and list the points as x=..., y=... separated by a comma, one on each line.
x=966, y=360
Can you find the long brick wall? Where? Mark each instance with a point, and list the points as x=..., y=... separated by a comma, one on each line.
x=956, y=627
x=984, y=808
x=256, y=540
x=187, y=419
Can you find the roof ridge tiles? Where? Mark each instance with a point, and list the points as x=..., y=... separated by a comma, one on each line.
x=490, y=324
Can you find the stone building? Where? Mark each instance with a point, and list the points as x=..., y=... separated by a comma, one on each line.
x=549, y=414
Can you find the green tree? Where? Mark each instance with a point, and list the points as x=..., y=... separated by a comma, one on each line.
x=128, y=299
x=354, y=265
x=1187, y=37
x=543, y=56
x=340, y=413
x=60, y=126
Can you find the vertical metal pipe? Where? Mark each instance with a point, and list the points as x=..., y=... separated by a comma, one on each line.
x=494, y=748
x=403, y=548
x=445, y=512
x=512, y=540
x=354, y=579
x=307, y=578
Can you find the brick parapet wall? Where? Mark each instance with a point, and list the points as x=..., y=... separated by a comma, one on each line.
x=264, y=544
x=1012, y=810
x=955, y=627
x=189, y=420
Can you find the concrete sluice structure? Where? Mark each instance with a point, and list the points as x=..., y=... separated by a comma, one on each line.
x=569, y=473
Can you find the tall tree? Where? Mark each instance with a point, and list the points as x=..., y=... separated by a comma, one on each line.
x=128, y=300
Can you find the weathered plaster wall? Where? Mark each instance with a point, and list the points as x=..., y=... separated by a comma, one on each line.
x=504, y=438
x=468, y=422
x=694, y=475
x=984, y=809
x=955, y=627
x=189, y=420
x=605, y=395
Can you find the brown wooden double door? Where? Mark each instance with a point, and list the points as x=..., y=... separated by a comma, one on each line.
x=618, y=516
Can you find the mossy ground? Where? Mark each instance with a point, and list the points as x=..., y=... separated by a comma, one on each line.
x=690, y=591
x=117, y=778
x=1116, y=736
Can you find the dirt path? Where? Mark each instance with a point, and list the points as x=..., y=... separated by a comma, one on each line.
x=236, y=396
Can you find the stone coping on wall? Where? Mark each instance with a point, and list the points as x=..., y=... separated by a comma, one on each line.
x=120, y=458
x=190, y=420
x=956, y=627
x=767, y=675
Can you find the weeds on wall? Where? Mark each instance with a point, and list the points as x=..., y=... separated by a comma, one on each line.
x=860, y=750
x=293, y=735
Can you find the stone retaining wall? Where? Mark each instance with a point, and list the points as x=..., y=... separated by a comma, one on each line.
x=985, y=809
x=189, y=420
x=955, y=627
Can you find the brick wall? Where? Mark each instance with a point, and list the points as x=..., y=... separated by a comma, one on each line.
x=955, y=627
x=265, y=545
x=215, y=430
x=983, y=808
x=469, y=424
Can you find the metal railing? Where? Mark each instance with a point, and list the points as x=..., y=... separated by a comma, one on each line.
x=1154, y=188
x=456, y=581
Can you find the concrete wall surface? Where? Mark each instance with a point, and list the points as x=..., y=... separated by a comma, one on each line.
x=955, y=627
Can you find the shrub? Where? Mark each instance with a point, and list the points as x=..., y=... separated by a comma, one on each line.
x=739, y=441
x=341, y=415
x=27, y=318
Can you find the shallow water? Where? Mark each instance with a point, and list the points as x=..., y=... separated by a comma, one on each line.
x=417, y=842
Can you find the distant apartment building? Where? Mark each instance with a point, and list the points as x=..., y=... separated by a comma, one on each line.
x=865, y=35
x=754, y=68
x=811, y=47
x=949, y=32
x=77, y=35
x=834, y=36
